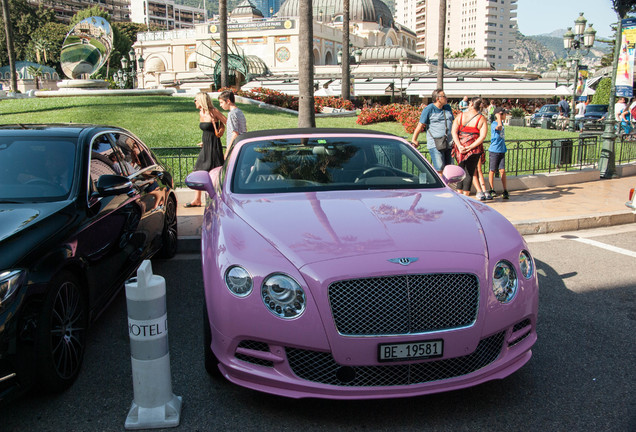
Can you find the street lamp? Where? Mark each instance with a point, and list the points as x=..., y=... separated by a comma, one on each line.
x=125, y=73
x=577, y=43
x=409, y=67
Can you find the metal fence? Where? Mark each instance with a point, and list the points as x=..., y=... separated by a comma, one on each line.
x=524, y=157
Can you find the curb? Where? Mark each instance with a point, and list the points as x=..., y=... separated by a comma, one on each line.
x=568, y=224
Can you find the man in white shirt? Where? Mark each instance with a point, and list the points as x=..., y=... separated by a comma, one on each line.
x=580, y=113
x=618, y=108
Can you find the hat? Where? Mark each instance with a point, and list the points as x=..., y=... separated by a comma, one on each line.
x=500, y=110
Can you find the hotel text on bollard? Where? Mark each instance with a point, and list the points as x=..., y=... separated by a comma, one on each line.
x=154, y=404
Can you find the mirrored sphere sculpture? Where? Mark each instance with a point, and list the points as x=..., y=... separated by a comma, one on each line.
x=86, y=47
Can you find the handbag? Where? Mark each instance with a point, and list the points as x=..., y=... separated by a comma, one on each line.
x=220, y=130
x=442, y=143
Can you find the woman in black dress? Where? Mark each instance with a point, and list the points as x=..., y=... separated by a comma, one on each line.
x=212, y=123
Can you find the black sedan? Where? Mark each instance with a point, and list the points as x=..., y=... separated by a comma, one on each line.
x=81, y=206
x=546, y=117
x=594, y=117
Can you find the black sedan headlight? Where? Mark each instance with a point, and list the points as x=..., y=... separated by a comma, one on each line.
x=10, y=281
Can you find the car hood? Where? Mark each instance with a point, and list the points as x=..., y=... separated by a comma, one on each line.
x=317, y=226
x=24, y=226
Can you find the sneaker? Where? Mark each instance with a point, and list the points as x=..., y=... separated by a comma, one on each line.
x=492, y=193
x=505, y=195
x=481, y=196
x=487, y=195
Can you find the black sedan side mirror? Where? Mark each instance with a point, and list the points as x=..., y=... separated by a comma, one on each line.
x=109, y=185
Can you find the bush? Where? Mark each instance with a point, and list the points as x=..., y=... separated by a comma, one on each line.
x=407, y=115
x=284, y=100
x=602, y=94
x=517, y=112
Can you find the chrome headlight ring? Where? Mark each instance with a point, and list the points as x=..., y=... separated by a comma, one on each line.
x=238, y=281
x=283, y=296
x=504, y=281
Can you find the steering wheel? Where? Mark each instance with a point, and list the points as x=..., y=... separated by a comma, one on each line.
x=374, y=171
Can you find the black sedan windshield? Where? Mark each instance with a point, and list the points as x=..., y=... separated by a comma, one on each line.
x=332, y=163
x=33, y=169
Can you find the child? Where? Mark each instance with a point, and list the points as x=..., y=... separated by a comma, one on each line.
x=497, y=152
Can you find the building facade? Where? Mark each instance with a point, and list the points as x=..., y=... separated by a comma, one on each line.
x=119, y=10
x=486, y=26
x=165, y=14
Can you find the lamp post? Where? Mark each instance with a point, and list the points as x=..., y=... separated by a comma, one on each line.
x=354, y=57
x=577, y=43
x=409, y=67
x=125, y=73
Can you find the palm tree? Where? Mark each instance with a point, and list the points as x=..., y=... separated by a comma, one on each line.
x=223, y=37
x=346, y=68
x=306, y=114
x=441, y=33
x=8, y=27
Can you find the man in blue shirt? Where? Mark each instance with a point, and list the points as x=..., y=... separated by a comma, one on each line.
x=497, y=151
x=437, y=118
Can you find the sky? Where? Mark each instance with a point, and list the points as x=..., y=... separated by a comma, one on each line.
x=544, y=16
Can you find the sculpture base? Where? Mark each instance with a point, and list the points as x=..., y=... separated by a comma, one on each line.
x=83, y=84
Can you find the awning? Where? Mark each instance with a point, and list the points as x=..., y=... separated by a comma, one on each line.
x=483, y=87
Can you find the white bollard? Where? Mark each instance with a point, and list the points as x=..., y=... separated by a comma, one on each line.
x=154, y=404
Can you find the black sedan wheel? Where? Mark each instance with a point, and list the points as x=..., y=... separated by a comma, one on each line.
x=169, y=235
x=61, y=334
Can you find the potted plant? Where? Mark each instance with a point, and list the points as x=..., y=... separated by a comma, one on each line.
x=517, y=117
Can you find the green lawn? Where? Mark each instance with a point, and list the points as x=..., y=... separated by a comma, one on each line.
x=164, y=121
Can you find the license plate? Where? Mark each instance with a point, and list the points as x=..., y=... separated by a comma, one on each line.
x=411, y=351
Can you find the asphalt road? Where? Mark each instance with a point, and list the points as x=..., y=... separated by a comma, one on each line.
x=582, y=376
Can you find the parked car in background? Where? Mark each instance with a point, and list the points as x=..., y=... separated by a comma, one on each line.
x=338, y=264
x=81, y=206
x=547, y=115
x=594, y=117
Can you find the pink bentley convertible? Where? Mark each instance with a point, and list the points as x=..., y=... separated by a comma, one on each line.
x=338, y=264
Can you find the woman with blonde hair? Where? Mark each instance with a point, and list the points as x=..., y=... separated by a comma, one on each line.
x=212, y=123
x=469, y=131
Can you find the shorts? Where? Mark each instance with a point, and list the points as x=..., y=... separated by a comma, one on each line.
x=440, y=159
x=497, y=161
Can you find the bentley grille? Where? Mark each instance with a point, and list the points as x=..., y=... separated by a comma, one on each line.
x=405, y=304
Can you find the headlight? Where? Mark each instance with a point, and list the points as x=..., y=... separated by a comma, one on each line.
x=283, y=296
x=526, y=264
x=555, y=116
x=504, y=281
x=9, y=282
x=238, y=281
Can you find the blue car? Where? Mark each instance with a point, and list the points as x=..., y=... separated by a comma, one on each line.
x=594, y=117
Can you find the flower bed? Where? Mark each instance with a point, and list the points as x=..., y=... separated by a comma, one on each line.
x=284, y=100
x=407, y=115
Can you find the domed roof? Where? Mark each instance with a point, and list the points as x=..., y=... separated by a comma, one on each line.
x=359, y=10
x=246, y=8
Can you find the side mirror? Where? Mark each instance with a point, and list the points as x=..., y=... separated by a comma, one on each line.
x=453, y=174
x=201, y=181
x=109, y=185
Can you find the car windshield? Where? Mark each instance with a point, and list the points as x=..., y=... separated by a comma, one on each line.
x=596, y=108
x=35, y=169
x=548, y=108
x=299, y=164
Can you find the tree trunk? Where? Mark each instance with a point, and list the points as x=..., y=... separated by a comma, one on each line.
x=10, y=48
x=441, y=32
x=223, y=37
x=346, y=64
x=306, y=114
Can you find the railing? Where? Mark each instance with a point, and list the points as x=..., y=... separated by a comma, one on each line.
x=524, y=157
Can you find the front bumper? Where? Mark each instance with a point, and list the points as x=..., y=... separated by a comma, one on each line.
x=300, y=372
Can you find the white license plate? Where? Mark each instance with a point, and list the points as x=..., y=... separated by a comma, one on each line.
x=411, y=351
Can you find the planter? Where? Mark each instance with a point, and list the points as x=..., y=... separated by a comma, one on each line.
x=517, y=122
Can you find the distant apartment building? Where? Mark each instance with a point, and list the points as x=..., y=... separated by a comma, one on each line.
x=119, y=10
x=487, y=26
x=165, y=14
x=267, y=7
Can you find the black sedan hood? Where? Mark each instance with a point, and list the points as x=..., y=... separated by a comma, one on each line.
x=24, y=226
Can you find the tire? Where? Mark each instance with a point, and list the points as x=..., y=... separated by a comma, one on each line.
x=169, y=236
x=210, y=360
x=61, y=333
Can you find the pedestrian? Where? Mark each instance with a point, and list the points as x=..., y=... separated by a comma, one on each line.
x=212, y=124
x=437, y=119
x=618, y=108
x=580, y=113
x=236, y=122
x=469, y=131
x=497, y=152
x=463, y=104
x=491, y=110
x=564, y=112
